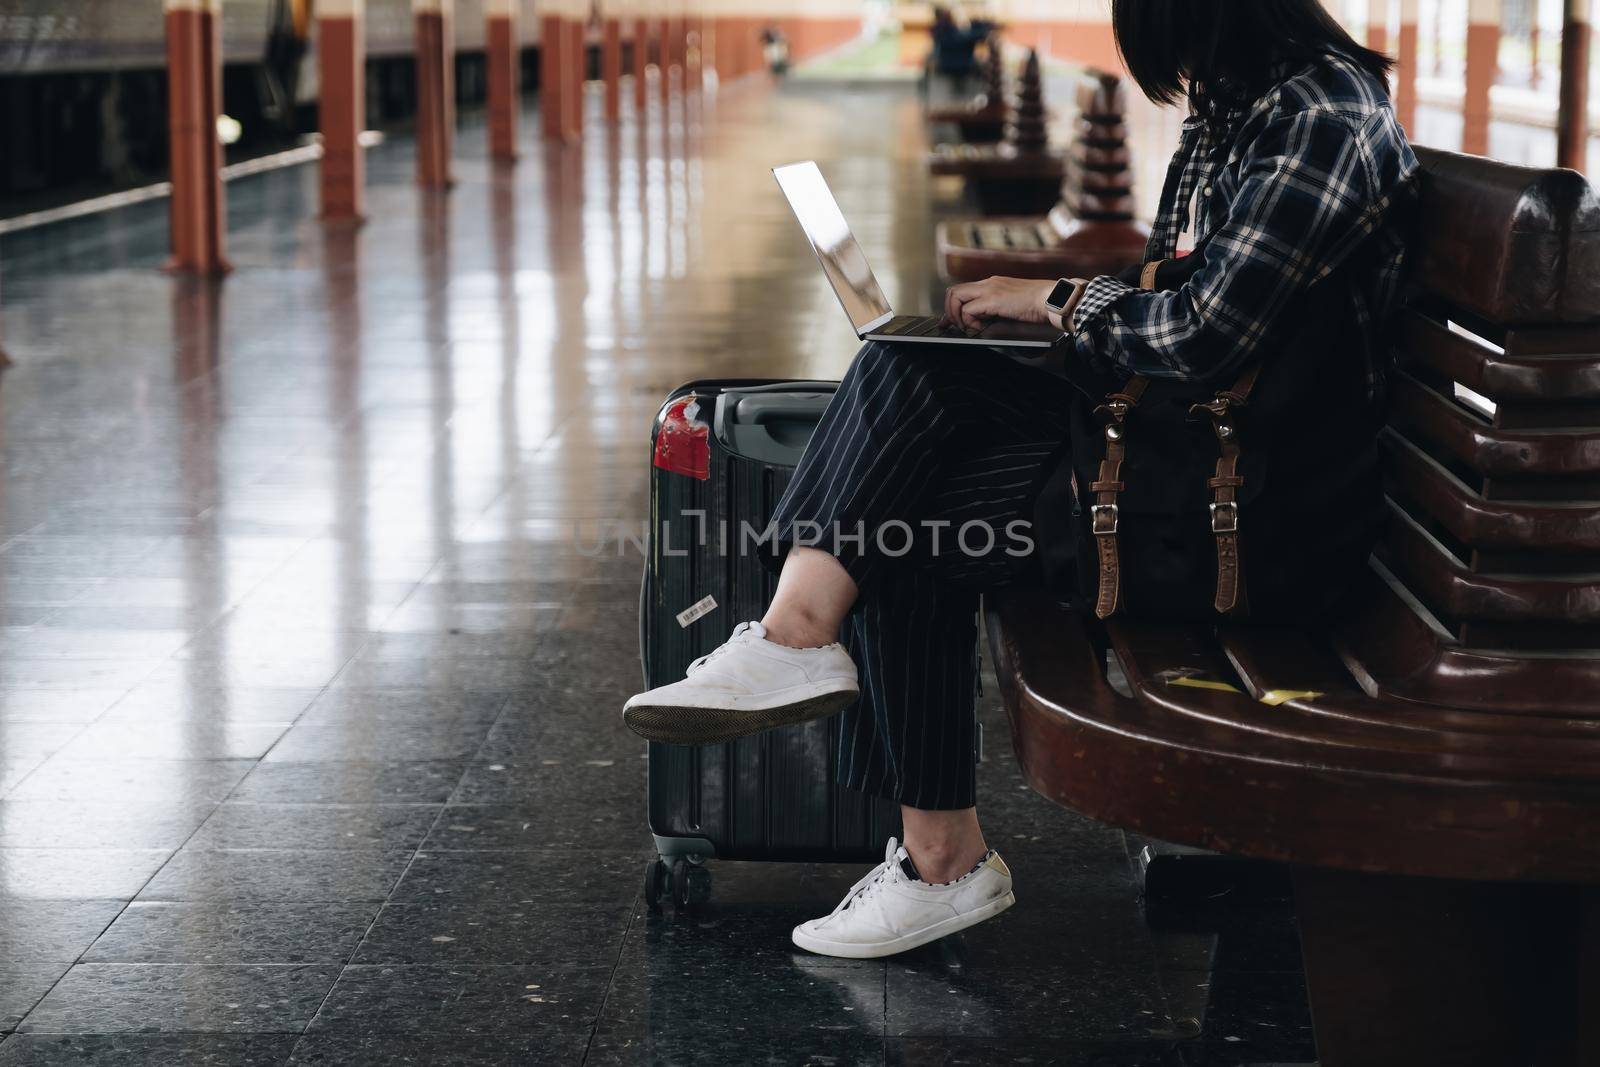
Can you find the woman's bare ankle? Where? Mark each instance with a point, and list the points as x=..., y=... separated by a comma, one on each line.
x=814, y=595
x=797, y=632
x=943, y=845
x=943, y=861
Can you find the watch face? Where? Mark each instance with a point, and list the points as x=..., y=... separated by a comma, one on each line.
x=1060, y=295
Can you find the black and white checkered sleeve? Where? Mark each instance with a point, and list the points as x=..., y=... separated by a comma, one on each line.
x=1100, y=294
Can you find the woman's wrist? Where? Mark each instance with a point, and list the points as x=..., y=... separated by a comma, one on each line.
x=1050, y=316
x=1061, y=320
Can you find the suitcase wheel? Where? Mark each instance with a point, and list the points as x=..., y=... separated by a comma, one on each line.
x=691, y=884
x=656, y=878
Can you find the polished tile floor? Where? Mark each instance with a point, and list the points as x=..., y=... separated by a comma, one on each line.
x=309, y=745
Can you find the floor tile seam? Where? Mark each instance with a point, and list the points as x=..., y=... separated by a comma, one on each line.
x=356, y=947
x=477, y=759
x=78, y=959
x=82, y=727
x=320, y=693
x=388, y=896
x=143, y=886
x=611, y=978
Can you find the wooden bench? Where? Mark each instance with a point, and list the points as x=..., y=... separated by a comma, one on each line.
x=1021, y=174
x=1090, y=230
x=1428, y=764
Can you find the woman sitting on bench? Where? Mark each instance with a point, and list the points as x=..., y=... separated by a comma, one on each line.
x=1299, y=175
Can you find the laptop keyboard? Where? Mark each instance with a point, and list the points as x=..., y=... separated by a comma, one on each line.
x=920, y=326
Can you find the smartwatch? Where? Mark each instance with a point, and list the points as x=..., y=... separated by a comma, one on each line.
x=1062, y=296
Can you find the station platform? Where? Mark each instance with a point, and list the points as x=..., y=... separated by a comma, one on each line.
x=310, y=694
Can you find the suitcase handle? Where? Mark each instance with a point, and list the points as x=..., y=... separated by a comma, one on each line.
x=792, y=407
x=769, y=427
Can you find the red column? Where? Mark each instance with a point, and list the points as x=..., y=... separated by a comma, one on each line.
x=194, y=100
x=641, y=63
x=436, y=92
x=1572, y=126
x=664, y=57
x=611, y=65
x=577, y=69
x=1378, y=25
x=505, y=76
x=1483, y=60
x=1405, y=89
x=342, y=73
x=751, y=58
x=552, y=75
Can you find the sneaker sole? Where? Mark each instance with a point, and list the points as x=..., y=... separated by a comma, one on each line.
x=907, y=942
x=679, y=725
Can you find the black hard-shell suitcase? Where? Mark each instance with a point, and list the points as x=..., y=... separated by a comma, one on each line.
x=722, y=452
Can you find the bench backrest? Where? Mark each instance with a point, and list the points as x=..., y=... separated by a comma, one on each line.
x=1492, y=453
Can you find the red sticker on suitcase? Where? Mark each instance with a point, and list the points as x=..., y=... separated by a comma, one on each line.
x=684, y=444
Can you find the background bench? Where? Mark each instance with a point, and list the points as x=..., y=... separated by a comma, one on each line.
x=1429, y=763
x=1021, y=173
x=1090, y=230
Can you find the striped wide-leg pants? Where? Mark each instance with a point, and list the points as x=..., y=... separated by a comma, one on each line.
x=921, y=479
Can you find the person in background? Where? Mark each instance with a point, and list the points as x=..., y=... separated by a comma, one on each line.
x=775, y=49
x=954, y=46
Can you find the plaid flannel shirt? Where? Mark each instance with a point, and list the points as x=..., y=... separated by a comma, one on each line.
x=1313, y=179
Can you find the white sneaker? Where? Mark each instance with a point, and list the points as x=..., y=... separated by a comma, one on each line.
x=746, y=685
x=888, y=911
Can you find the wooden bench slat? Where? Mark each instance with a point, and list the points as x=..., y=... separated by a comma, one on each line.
x=1397, y=651
x=1566, y=376
x=1555, y=527
x=1455, y=591
x=1492, y=452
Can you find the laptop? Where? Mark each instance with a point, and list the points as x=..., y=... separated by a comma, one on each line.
x=848, y=272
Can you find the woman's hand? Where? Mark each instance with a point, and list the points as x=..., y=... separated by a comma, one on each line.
x=971, y=304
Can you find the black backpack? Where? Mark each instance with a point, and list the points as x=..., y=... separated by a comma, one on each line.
x=1257, y=498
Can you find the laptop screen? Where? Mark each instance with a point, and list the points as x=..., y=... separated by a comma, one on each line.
x=842, y=259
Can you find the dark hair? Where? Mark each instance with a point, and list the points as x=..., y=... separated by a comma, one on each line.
x=1221, y=52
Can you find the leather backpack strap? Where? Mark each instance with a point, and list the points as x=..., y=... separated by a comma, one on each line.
x=1231, y=597
x=1106, y=486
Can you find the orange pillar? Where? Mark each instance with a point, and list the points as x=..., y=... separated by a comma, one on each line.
x=436, y=92
x=1405, y=89
x=194, y=100
x=552, y=74
x=577, y=70
x=1483, y=61
x=1572, y=126
x=751, y=56
x=342, y=70
x=611, y=64
x=664, y=56
x=505, y=76
x=641, y=63
x=1378, y=25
